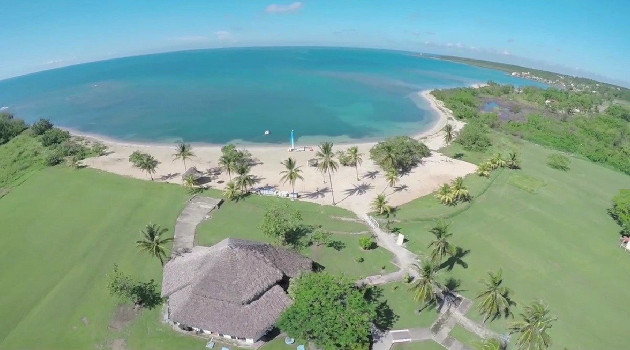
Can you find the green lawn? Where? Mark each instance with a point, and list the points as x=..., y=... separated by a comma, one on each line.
x=242, y=219
x=550, y=233
x=464, y=336
x=400, y=300
x=62, y=232
x=425, y=345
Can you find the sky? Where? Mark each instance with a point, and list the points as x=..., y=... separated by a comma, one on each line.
x=577, y=37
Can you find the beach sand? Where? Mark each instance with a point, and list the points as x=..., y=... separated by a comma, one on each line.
x=349, y=192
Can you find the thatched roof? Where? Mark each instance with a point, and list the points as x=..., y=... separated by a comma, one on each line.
x=232, y=287
x=196, y=174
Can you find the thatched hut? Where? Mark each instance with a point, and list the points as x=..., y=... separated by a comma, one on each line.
x=192, y=172
x=312, y=162
x=235, y=289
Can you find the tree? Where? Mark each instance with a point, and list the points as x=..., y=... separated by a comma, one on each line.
x=330, y=311
x=152, y=241
x=441, y=247
x=449, y=133
x=281, y=223
x=401, y=153
x=355, y=158
x=54, y=136
x=366, y=243
x=183, y=151
x=227, y=163
x=326, y=163
x=484, y=169
x=495, y=298
x=10, y=127
x=244, y=178
x=426, y=287
x=231, y=191
x=532, y=329
x=459, y=191
x=498, y=162
x=123, y=286
x=489, y=344
x=231, y=159
x=392, y=177
x=144, y=162
x=291, y=172
x=620, y=211
x=474, y=137
x=381, y=205
x=445, y=195
x=513, y=162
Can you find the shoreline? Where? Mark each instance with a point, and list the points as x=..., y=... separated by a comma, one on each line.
x=352, y=193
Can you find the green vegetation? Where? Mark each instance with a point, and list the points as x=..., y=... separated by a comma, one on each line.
x=366, y=243
x=331, y=311
x=532, y=329
x=54, y=136
x=183, y=151
x=556, y=238
x=326, y=163
x=10, y=127
x=559, y=161
x=564, y=120
x=232, y=158
x=400, y=153
x=409, y=314
x=153, y=243
x=145, y=294
x=291, y=173
x=620, y=211
x=144, y=162
x=282, y=224
x=380, y=204
x=494, y=299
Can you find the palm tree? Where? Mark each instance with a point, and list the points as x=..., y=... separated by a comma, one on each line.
x=389, y=159
x=484, y=169
x=513, y=162
x=292, y=172
x=459, y=191
x=445, y=195
x=392, y=177
x=489, y=344
x=498, y=161
x=189, y=182
x=381, y=205
x=244, y=178
x=441, y=245
x=449, y=133
x=152, y=241
x=532, y=330
x=231, y=191
x=495, y=298
x=148, y=164
x=183, y=151
x=326, y=163
x=356, y=158
x=426, y=287
x=227, y=162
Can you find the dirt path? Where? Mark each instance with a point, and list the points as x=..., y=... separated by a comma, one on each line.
x=197, y=210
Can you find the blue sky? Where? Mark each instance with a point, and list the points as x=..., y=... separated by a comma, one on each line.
x=588, y=38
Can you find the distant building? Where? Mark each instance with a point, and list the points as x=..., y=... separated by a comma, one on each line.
x=234, y=289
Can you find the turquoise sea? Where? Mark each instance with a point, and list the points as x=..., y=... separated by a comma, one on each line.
x=221, y=95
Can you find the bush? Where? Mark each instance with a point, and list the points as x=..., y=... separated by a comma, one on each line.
x=53, y=159
x=558, y=161
x=321, y=237
x=41, y=126
x=124, y=287
x=620, y=211
x=366, y=243
x=359, y=259
x=54, y=136
x=474, y=137
x=407, y=278
x=401, y=153
x=10, y=127
x=70, y=148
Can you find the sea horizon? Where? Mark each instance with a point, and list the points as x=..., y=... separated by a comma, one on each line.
x=216, y=96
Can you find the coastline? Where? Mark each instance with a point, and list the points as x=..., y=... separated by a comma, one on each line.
x=422, y=180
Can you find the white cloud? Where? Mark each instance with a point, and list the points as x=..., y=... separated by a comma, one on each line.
x=293, y=7
x=506, y=52
x=223, y=35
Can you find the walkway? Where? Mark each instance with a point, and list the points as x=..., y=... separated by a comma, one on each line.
x=197, y=210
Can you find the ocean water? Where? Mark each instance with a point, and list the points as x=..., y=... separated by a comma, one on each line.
x=235, y=95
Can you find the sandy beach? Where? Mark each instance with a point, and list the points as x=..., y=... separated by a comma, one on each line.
x=349, y=192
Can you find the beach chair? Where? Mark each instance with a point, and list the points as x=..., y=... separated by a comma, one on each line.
x=210, y=345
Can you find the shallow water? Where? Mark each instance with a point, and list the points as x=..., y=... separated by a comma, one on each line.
x=221, y=95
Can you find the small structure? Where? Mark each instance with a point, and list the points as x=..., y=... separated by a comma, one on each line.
x=401, y=239
x=192, y=172
x=235, y=289
x=313, y=162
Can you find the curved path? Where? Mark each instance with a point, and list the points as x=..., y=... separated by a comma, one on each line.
x=197, y=210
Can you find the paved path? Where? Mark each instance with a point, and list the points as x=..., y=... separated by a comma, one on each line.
x=197, y=210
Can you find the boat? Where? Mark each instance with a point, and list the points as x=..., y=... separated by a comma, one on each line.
x=267, y=132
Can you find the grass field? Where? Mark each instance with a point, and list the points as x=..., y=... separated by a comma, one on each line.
x=400, y=300
x=467, y=338
x=242, y=219
x=550, y=233
x=425, y=345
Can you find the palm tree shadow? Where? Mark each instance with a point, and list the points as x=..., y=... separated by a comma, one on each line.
x=450, y=293
x=319, y=193
x=370, y=175
x=401, y=188
x=456, y=259
x=357, y=190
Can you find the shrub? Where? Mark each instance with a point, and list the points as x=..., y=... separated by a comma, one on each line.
x=366, y=243
x=620, y=211
x=400, y=153
x=54, y=136
x=474, y=137
x=407, y=278
x=10, y=127
x=122, y=286
x=359, y=259
x=70, y=148
x=558, y=161
x=53, y=159
x=98, y=149
x=41, y=126
x=321, y=237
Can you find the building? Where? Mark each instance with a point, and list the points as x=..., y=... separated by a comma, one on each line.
x=235, y=289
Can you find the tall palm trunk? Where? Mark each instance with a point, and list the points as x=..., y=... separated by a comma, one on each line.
x=356, y=168
x=332, y=192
